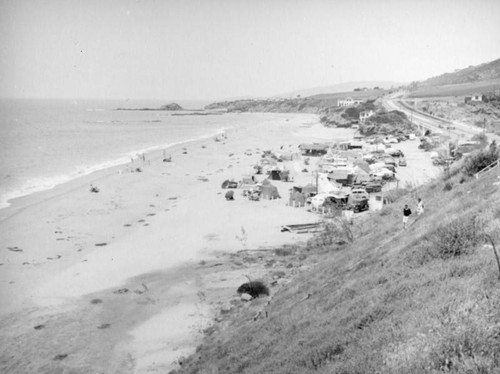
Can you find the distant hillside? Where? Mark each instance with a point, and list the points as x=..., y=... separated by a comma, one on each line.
x=325, y=105
x=483, y=72
x=341, y=88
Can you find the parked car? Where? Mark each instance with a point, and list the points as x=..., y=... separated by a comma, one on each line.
x=357, y=194
x=361, y=206
x=373, y=187
x=402, y=162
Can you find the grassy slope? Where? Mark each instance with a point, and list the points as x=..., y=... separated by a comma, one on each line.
x=311, y=104
x=457, y=89
x=385, y=304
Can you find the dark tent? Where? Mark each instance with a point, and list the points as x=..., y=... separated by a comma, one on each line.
x=229, y=195
x=229, y=184
x=279, y=175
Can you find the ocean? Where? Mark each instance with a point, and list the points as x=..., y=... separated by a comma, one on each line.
x=44, y=143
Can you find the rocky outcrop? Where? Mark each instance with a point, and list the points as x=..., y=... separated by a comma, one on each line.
x=171, y=106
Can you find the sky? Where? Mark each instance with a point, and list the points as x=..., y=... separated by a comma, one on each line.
x=215, y=49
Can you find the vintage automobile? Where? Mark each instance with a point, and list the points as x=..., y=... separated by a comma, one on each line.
x=361, y=206
x=373, y=186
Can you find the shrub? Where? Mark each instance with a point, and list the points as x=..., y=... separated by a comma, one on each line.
x=283, y=251
x=479, y=161
x=254, y=289
x=455, y=238
x=448, y=186
x=394, y=195
x=337, y=231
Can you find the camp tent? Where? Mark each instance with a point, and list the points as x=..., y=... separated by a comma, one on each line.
x=279, y=175
x=269, y=191
x=285, y=156
x=247, y=182
x=345, y=176
x=297, y=199
x=309, y=190
x=229, y=184
x=325, y=185
x=361, y=175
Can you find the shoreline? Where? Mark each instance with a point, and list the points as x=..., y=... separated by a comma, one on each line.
x=149, y=246
x=108, y=166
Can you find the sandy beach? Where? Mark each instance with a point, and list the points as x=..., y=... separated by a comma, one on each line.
x=127, y=279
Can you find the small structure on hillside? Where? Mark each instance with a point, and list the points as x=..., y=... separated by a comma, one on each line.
x=473, y=99
x=376, y=201
x=365, y=114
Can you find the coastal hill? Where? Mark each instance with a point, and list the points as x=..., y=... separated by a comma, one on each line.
x=326, y=106
x=380, y=299
x=341, y=88
x=310, y=104
x=473, y=80
x=483, y=72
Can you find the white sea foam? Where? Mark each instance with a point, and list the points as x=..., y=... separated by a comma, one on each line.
x=39, y=184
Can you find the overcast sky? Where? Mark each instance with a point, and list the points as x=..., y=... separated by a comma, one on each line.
x=216, y=49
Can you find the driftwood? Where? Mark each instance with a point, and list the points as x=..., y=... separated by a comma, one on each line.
x=303, y=228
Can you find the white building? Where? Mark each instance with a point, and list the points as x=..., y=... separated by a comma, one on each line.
x=348, y=101
x=365, y=114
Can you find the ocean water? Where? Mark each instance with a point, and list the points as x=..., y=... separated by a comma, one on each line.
x=44, y=143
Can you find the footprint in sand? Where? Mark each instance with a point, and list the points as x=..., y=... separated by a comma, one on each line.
x=100, y=244
x=60, y=357
x=127, y=225
x=14, y=249
x=39, y=327
x=104, y=326
x=96, y=301
x=141, y=220
x=151, y=214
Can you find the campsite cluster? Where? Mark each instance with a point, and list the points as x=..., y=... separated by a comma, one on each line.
x=344, y=177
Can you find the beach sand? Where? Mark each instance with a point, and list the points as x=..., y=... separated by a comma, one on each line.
x=126, y=280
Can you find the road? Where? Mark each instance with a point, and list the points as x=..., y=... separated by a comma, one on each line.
x=454, y=129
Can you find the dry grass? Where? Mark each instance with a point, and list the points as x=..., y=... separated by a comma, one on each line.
x=393, y=301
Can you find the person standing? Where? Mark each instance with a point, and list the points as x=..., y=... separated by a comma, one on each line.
x=420, y=207
x=406, y=215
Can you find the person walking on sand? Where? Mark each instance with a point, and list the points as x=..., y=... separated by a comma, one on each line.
x=406, y=215
x=420, y=207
